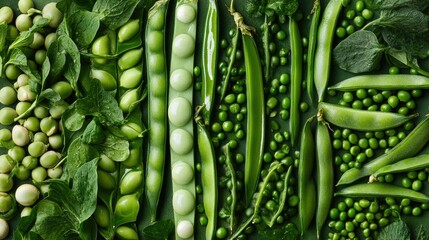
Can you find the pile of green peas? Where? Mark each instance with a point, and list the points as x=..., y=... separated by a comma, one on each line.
x=353, y=148
x=355, y=16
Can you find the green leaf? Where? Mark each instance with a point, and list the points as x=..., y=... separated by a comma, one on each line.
x=360, y=52
x=78, y=153
x=3, y=34
x=72, y=65
x=84, y=26
x=26, y=37
x=159, y=230
x=89, y=230
x=397, y=230
x=422, y=234
x=57, y=59
x=101, y=104
x=115, y=13
x=93, y=133
x=390, y=4
x=285, y=232
x=114, y=147
x=283, y=7
x=73, y=121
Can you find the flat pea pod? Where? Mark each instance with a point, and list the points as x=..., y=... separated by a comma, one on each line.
x=208, y=178
x=383, y=82
x=234, y=193
x=158, y=88
x=306, y=186
x=361, y=120
x=325, y=37
x=312, y=41
x=324, y=173
x=209, y=59
x=405, y=165
x=296, y=78
x=283, y=197
x=377, y=189
x=415, y=141
x=255, y=116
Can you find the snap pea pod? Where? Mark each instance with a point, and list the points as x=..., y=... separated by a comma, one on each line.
x=312, y=40
x=233, y=189
x=365, y=190
x=324, y=174
x=405, y=165
x=306, y=186
x=230, y=64
x=383, y=82
x=283, y=197
x=157, y=107
x=361, y=120
x=325, y=37
x=415, y=141
x=210, y=59
x=180, y=98
x=208, y=178
x=296, y=78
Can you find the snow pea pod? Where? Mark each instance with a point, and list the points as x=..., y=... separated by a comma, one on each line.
x=234, y=195
x=296, y=78
x=312, y=41
x=415, y=141
x=306, y=186
x=405, y=165
x=210, y=59
x=157, y=114
x=324, y=173
x=365, y=190
x=325, y=37
x=383, y=82
x=361, y=119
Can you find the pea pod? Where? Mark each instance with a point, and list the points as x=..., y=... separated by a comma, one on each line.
x=361, y=120
x=210, y=59
x=324, y=174
x=405, y=165
x=157, y=105
x=296, y=78
x=306, y=186
x=383, y=82
x=312, y=41
x=365, y=190
x=234, y=195
x=325, y=37
x=415, y=141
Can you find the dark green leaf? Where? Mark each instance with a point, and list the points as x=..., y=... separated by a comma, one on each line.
x=397, y=230
x=158, y=230
x=26, y=37
x=360, y=52
x=115, y=13
x=283, y=7
x=63, y=227
x=414, y=44
x=78, y=153
x=84, y=26
x=93, y=133
x=389, y=4
x=422, y=234
x=405, y=19
x=73, y=121
x=72, y=64
x=285, y=232
x=89, y=230
x=114, y=147
x=57, y=59
x=100, y=104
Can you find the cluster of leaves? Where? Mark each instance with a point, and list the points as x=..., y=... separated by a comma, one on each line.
x=271, y=7
x=400, y=32
x=400, y=231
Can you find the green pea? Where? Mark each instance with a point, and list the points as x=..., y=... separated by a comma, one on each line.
x=417, y=185
x=131, y=182
x=105, y=180
x=404, y=96
x=406, y=182
x=126, y=233
x=393, y=70
x=102, y=216
x=39, y=174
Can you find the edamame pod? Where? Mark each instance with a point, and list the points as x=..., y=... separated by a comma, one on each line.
x=405, y=165
x=366, y=190
x=415, y=141
x=383, y=82
x=361, y=120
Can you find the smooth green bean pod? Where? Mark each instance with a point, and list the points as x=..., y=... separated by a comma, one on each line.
x=325, y=37
x=306, y=186
x=405, y=165
x=255, y=116
x=324, y=174
x=366, y=190
x=208, y=178
x=296, y=78
x=312, y=41
x=157, y=102
x=415, y=141
x=210, y=59
x=383, y=82
x=361, y=120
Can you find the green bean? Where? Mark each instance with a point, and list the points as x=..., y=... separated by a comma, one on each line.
x=361, y=120
x=383, y=82
x=210, y=59
x=296, y=78
x=325, y=174
x=208, y=178
x=181, y=133
x=312, y=41
x=306, y=186
x=157, y=84
x=405, y=165
x=408, y=147
x=381, y=190
x=325, y=36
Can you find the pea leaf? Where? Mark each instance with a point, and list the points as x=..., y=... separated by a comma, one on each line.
x=114, y=13
x=159, y=230
x=114, y=147
x=58, y=59
x=78, y=153
x=390, y=4
x=93, y=133
x=84, y=25
x=26, y=37
x=282, y=7
x=422, y=234
x=360, y=52
x=396, y=230
x=72, y=65
x=285, y=232
x=100, y=104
